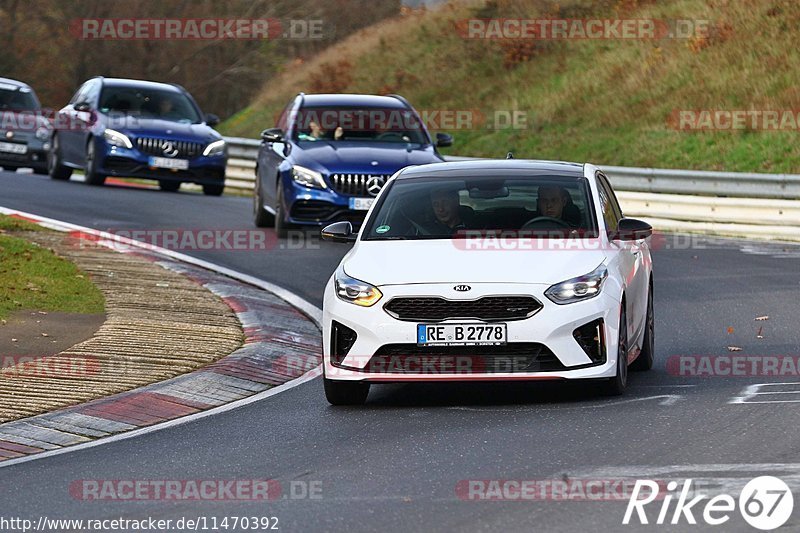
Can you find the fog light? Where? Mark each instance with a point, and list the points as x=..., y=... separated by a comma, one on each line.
x=591, y=338
x=342, y=339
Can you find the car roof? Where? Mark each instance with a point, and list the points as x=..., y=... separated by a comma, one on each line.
x=354, y=100
x=15, y=83
x=140, y=84
x=479, y=167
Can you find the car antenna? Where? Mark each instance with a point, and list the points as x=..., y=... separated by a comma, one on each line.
x=510, y=155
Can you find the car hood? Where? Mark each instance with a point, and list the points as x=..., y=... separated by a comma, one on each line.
x=447, y=261
x=166, y=129
x=359, y=158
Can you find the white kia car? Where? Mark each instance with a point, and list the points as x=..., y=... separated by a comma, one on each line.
x=489, y=270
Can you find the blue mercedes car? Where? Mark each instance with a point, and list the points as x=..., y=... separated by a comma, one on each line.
x=138, y=129
x=330, y=155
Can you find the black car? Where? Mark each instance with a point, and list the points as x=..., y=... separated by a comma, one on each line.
x=24, y=130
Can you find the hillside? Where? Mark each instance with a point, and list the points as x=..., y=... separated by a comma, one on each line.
x=610, y=101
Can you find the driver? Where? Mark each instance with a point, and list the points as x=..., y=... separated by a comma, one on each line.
x=447, y=210
x=551, y=201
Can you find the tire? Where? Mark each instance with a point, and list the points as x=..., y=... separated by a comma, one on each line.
x=261, y=217
x=92, y=176
x=213, y=189
x=7, y=168
x=56, y=170
x=616, y=386
x=169, y=185
x=647, y=356
x=345, y=392
x=281, y=226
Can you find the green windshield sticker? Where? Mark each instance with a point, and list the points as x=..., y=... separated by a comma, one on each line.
x=382, y=229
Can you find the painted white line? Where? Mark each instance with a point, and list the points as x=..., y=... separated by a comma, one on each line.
x=312, y=311
x=666, y=399
x=760, y=389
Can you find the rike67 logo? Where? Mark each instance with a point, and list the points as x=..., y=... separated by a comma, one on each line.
x=766, y=503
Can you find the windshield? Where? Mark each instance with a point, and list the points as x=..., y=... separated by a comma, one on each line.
x=439, y=208
x=350, y=124
x=16, y=99
x=149, y=103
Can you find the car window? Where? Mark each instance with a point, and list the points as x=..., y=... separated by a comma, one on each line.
x=80, y=95
x=608, y=204
x=92, y=92
x=433, y=208
x=358, y=124
x=149, y=103
x=13, y=98
x=283, y=119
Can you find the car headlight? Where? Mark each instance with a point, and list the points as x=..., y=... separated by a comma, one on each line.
x=578, y=289
x=115, y=138
x=215, y=148
x=42, y=133
x=355, y=291
x=307, y=177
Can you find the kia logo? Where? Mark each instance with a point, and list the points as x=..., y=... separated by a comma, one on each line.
x=462, y=288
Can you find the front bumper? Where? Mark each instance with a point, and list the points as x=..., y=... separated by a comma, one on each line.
x=317, y=207
x=551, y=328
x=35, y=155
x=131, y=163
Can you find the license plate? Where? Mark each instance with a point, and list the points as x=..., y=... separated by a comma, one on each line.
x=361, y=204
x=461, y=334
x=14, y=148
x=166, y=162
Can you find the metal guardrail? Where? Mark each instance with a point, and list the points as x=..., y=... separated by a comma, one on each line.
x=748, y=205
x=242, y=155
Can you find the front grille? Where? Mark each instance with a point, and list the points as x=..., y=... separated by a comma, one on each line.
x=510, y=358
x=435, y=309
x=153, y=146
x=124, y=167
x=358, y=184
x=315, y=210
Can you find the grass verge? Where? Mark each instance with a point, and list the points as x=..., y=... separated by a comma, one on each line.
x=32, y=277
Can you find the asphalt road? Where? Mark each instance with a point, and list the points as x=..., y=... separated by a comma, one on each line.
x=396, y=463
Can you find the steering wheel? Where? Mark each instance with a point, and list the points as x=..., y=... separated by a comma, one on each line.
x=389, y=135
x=539, y=221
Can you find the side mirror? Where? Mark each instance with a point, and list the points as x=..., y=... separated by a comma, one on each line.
x=443, y=140
x=212, y=119
x=631, y=229
x=82, y=106
x=272, y=135
x=339, y=232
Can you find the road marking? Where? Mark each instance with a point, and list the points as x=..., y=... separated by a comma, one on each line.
x=666, y=399
x=763, y=389
x=309, y=309
x=714, y=478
